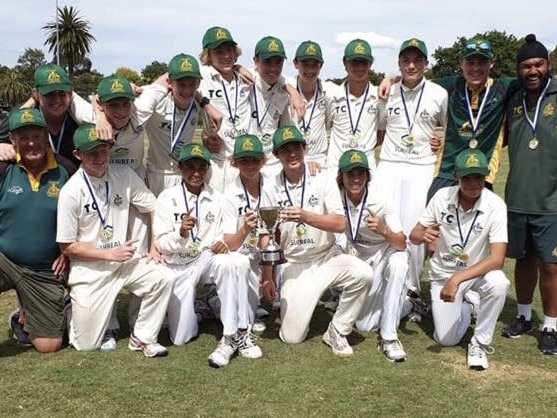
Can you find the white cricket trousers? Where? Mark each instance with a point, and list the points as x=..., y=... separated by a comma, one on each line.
x=383, y=303
x=302, y=285
x=230, y=275
x=451, y=319
x=92, y=302
x=405, y=186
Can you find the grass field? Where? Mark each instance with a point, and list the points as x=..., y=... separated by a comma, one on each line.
x=289, y=381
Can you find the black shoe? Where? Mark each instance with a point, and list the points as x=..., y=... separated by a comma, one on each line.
x=548, y=341
x=18, y=333
x=519, y=326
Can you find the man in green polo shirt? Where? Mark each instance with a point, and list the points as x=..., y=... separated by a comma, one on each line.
x=531, y=194
x=30, y=261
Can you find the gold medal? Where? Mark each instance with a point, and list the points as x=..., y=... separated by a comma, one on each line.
x=306, y=133
x=533, y=144
x=352, y=250
x=473, y=143
x=301, y=230
x=354, y=140
x=253, y=238
x=463, y=257
x=193, y=248
x=107, y=233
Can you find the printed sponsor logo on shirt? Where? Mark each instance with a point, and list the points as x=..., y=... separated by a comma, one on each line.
x=210, y=217
x=15, y=190
x=53, y=189
x=120, y=152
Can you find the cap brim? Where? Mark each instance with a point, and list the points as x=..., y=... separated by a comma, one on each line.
x=90, y=146
x=309, y=58
x=191, y=157
x=358, y=57
x=178, y=76
x=415, y=48
x=44, y=90
x=268, y=55
x=216, y=44
x=349, y=167
x=289, y=141
x=112, y=96
x=244, y=154
x=477, y=54
x=473, y=170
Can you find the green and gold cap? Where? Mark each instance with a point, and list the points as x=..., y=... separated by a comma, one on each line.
x=471, y=161
x=352, y=159
x=85, y=138
x=414, y=43
x=20, y=118
x=269, y=47
x=114, y=87
x=216, y=36
x=358, y=49
x=52, y=77
x=285, y=135
x=190, y=151
x=309, y=50
x=248, y=146
x=183, y=65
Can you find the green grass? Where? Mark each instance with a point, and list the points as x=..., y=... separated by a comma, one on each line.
x=289, y=381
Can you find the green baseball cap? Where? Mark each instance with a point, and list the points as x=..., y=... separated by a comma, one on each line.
x=309, y=50
x=285, y=135
x=471, y=161
x=269, y=47
x=352, y=159
x=190, y=151
x=85, y=138
x=358, y=49
x=52, y=77
x=183, y=65
x=248, y=146
x=114, y=87
x=20, y=118
x=216, y=36
x=414, y=44
x=478, y=46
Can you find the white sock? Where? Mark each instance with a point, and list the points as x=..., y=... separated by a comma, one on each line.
x=525, y=310
x=549, y=323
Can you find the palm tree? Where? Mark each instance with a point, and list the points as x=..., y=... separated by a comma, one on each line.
x=73, y=36
x=13, y=88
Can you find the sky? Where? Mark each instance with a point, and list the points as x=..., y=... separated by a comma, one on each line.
x=134, y=33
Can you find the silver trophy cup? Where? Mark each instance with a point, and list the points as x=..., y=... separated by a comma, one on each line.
x=272, y=254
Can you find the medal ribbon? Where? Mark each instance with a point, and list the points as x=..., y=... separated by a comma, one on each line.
x=231, y=114
x=306, y=126
x=411, y=124
x=533, y=123
x=248, y=197
x=354, y=129
x=260, y=121
x=56, y=148
x=303, y=189
x=354, y=231
x=175, y=137
x=463, y=241
x=96, y=201
x=475, y=123
x=194, y=236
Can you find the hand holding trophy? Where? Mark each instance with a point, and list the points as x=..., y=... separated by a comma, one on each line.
x=272, y=254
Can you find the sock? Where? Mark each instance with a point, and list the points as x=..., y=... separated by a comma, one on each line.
x=549, y=322
x=525, y=310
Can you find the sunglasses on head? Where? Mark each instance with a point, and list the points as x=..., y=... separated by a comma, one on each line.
x=480, y=45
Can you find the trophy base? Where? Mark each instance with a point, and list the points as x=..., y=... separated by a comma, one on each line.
x=272, y=258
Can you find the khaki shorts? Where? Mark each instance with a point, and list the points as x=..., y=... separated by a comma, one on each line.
x=41, y=297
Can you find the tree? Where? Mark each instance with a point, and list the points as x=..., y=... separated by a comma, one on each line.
x=86, y=84
x=131, y=75
x=152, y=71
x=553, y=60
x=28, y=62
x=447, y=60
x=13, y=88
x=74, y=38
x=84, y=66
x=374, y=77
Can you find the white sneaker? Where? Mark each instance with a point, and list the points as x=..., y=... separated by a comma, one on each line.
x=337, y=342
x=108, y=341
x=149, y=350
x=224, y=352
x=477, y=355
x=258, y=326
x=247, y=346
x=393, y=350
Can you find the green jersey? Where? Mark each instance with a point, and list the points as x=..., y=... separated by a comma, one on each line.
x=488, y=110
x=532, y=183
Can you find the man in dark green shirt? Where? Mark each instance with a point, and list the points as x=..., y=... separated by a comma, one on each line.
x=531, y=192
x=30, y=261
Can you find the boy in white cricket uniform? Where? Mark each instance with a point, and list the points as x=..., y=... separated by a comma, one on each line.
x=269, y=98
x=188, y=233
x=309, y=61
x=355, y=107
x=311, y=213
x=230, y=95
x=93, y=210
x=244, y=197
x=374, y=234
x=173, y=121
x=469, y=225
x=415, y=108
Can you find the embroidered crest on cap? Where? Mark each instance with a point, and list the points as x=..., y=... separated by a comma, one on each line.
x=116, y=87
x=53, y=77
